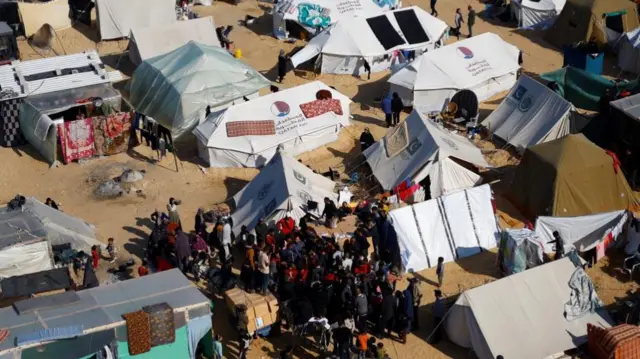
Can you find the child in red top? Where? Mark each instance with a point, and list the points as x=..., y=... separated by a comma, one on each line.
x=286, y=225
x=95, y=256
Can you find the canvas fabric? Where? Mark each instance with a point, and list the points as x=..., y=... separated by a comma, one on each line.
x=396, y=141
x=11, y=134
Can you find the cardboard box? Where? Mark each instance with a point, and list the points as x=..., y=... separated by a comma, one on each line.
x=262, y=310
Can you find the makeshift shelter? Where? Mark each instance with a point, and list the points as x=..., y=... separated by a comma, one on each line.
x=530, y=114
x=485, y=64
x=148, y=42
x=568, y=177
x=10, y=13
x=581, y=233
x=520, y=249
x=294, y=120
x=26, y=237
x=529, y=306
x=629, y=53
x=584, y=89
x=603, y=20
x=36, y=14
x=116, y=18
x=346, y=46
x=620, y=132
x=81, y=324
x=455, y=226
x=418, y=148
x=619, y=342
x=283, y=187
x=312, y=16
x=176, y=88
x=536, y=13
x=27, y=285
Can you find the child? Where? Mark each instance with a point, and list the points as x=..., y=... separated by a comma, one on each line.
x=217, y=347
x=245, y=341
x=95, y=256
x=111, y=248
x=381, y=352
x=143, y=270
x=440, y=271
x=361, y=344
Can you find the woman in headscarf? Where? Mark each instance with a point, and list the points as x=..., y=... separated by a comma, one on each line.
x=90, y=278
x=201, y=225
x=282, y=65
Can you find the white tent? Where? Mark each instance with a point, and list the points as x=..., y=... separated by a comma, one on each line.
x=521, y=316
x=26, y=237
x=116, y=18
x=535, y=13
x=288, y=123
x=176, y=88
x=148, y=42
x=459, y=225
x=530, y=114
x=283, y=186
x=582, y=233
x=345, y=46
x=418, y=148
x=36, y=14
x=318, y=14
x=485, y=64
x=629, y=54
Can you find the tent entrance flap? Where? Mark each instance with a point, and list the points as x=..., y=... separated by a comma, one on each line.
x=411, y=28
x=384, y=32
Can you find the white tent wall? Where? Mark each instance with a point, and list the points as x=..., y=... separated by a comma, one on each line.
x=530, y=114
x=25, y=259
x=455, y=226
x=530, y=14
x=582, y=233
x=448, y=177
x=529, y=306
x=629, y=53
x=354, y=65
x=54, y=13
x=148, y=42
x=116, y=18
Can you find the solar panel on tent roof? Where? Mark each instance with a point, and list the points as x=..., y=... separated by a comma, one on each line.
x=411, y=26
x=385, y=32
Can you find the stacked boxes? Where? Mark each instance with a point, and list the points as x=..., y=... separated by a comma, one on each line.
x=262, y=311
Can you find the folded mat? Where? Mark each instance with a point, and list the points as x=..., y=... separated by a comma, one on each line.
x=138, y=332
x=162, y=321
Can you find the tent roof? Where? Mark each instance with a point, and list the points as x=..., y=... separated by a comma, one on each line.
x=543, y=5
x=427, y=144
x=159, y=39
x=283, y=184
x=629, y=105
x=38, y=220
x=460, y=65
x=116, y=18
x=5, y=29
x=101, y=306
x=213, y=132
x=633, y=37
x=570, y=154
x=175, y=88
x=529, y=306
x=337, y=10
x=531, y=113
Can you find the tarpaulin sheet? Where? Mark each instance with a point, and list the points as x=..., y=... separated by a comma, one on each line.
x=47, y=301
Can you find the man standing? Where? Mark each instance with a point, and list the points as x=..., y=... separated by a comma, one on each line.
x=396, y=107
x=385, y=104
x=439, y=311
x=471, y=20
x=183, y=250
x=361, y=309
x=263, y=267
x=440, y=271
x=414, y=286
x=434, y=12
x=282, y=66
x=458, y=20
x=559, y=243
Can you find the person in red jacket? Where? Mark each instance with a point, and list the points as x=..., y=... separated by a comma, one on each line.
x=286, y=225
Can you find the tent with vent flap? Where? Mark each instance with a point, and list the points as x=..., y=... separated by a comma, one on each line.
x=454, y=226
x=418, y=148
x=344, y=47
x=294, y=120
x=283, y=187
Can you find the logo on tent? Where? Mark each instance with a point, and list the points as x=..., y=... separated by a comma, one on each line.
x=264, y=191
x=299, y=177
x=304, y=196
x=464, y=52
x=525, y=104
x=280, y=109
x=269, y=208
x=414, y=146
x=518, y=94
x=449, y=142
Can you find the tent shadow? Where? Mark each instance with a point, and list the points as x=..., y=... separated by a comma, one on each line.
x=120, y=62
x=483, y=263
x=537, y=37
x=90, y=32
x=349, y=159
x=272, y=73
x=615, y=265
x=262, y=25
x=234, y=185
x=371, y=93
x=136, y=247
x=30, y=151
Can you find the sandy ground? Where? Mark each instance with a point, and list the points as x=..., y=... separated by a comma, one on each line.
x=125, y=219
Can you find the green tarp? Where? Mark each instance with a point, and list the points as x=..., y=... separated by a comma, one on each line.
x=584, y=89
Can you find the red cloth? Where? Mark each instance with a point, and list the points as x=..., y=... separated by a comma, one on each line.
x=251, y=128
x=320, y=107
x=291, y=274
x=616, y=161
x=286, y=225
x=163, y=264
x=403, y=195
x=76, y=139
x=362, y=269
x=142, y=271
x=95, y=257
x=303, y=275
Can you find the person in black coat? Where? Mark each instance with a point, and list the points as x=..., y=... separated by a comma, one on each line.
x=387, y=313
x=366, y=139
x=261, y=230
x=282, y=66
x=396, y=107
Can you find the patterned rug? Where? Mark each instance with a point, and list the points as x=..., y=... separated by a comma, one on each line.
x=397, y=141
x=138, y=332
x=161, y=319
x=112, y=133
x=320, y=107
x=76, y=139
x=251, y=128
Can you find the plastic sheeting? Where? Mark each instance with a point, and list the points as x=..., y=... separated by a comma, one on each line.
x=536, y=13
x=175, y=88
x=116, y=18
x=629, y=54
x=520, y=249
x=36, y=14
x=25, y=259
x=454, y=226
x=530, y=114
x=582, y=233
x=197, y=328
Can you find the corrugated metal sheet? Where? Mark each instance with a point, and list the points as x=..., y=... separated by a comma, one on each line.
x=12, y=76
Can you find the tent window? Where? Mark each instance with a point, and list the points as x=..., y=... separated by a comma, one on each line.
x=615, y=22
x=384, y=31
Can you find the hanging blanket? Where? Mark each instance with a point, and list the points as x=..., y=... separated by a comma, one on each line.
x=162, y=323
x=251, y=128
x=138, y=332
x=396, y=141
x=583, y=296
x=112, y=133
x=320, y=107
x=76, y=139
x=10, y=133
